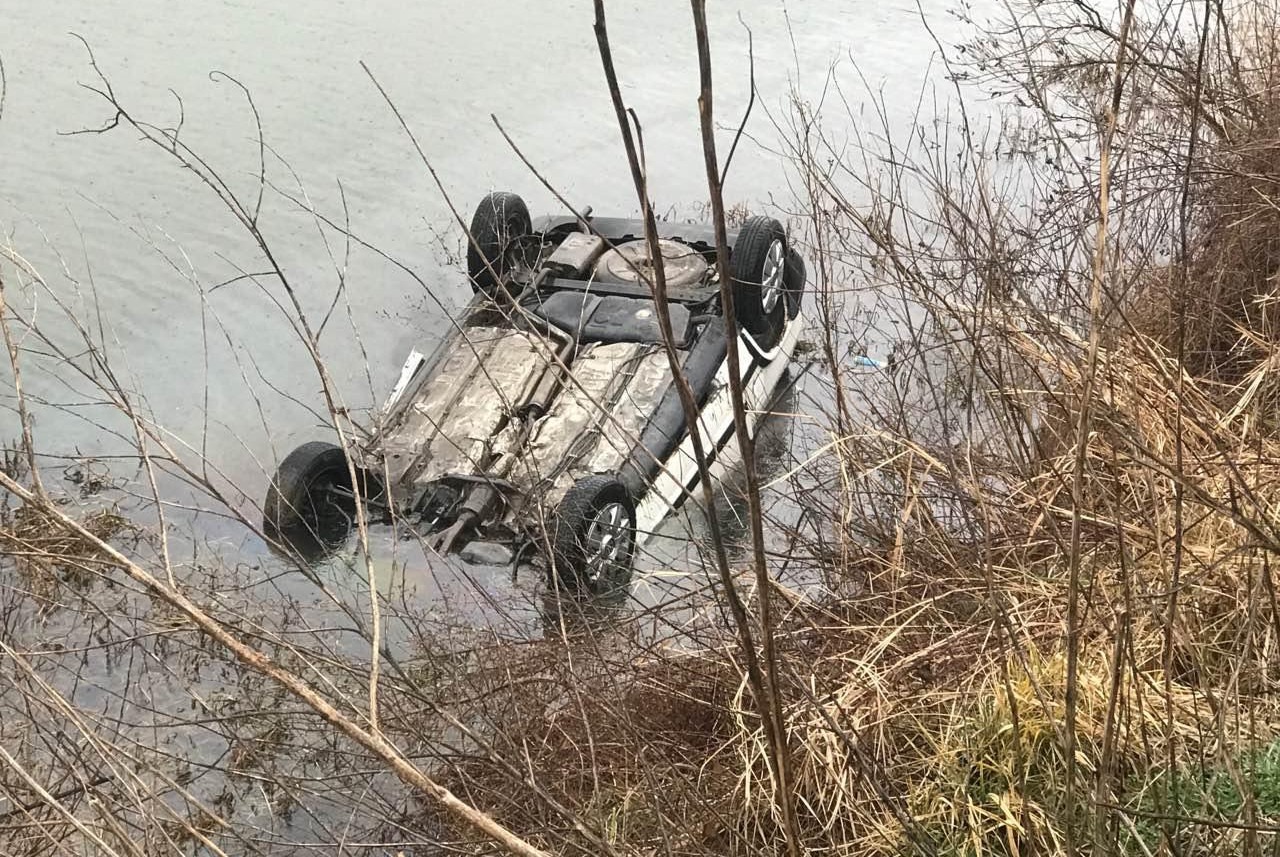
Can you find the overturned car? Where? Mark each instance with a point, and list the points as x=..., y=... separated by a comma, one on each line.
x=549, y=421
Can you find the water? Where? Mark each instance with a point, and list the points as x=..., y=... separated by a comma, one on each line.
x=136, y=244
x=114, y=208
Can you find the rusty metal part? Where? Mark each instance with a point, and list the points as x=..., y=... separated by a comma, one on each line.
x=442, y=542
x=479, y=500
x=575, y=255
x=449, y=425
x=539, y=400
x=576, y=438
x=548, y=385
x=544, y=390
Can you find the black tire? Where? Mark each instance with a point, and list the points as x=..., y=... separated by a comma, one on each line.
x=760, y=246
x=500, y=218
x=300, y=506
x=590, y=501
x=797, y=278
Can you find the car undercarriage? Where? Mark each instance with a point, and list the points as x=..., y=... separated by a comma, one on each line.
x=550, y=421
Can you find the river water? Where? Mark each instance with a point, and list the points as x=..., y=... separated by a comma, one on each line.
x=138, y=247
x=151, y=237
x=143, y=254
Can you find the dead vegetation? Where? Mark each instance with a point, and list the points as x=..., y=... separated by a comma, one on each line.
x=42, y=551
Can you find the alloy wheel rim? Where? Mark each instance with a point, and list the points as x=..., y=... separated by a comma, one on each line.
x=607, y=542
x=773, y=276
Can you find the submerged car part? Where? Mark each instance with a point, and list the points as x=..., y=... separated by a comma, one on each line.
x=549, y=419
x=310, y=504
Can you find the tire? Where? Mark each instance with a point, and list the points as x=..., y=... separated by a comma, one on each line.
x=593, y=503
x=797, y=278
x=499, y=219
x=758, y=266
x=299, y=507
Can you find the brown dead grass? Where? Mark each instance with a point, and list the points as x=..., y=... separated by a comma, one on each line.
x=44, y=554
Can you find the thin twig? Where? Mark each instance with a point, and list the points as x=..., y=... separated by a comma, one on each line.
x=770, y=703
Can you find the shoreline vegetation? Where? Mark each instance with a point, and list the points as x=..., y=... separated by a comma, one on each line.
x=1045, y=532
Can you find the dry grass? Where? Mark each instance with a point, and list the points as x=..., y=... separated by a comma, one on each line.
x=927, y=711
x=44, y=553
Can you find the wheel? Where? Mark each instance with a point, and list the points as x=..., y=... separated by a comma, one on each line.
x=758, y=264
x=500, y=218
x=595, y=536
x=310, y=499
